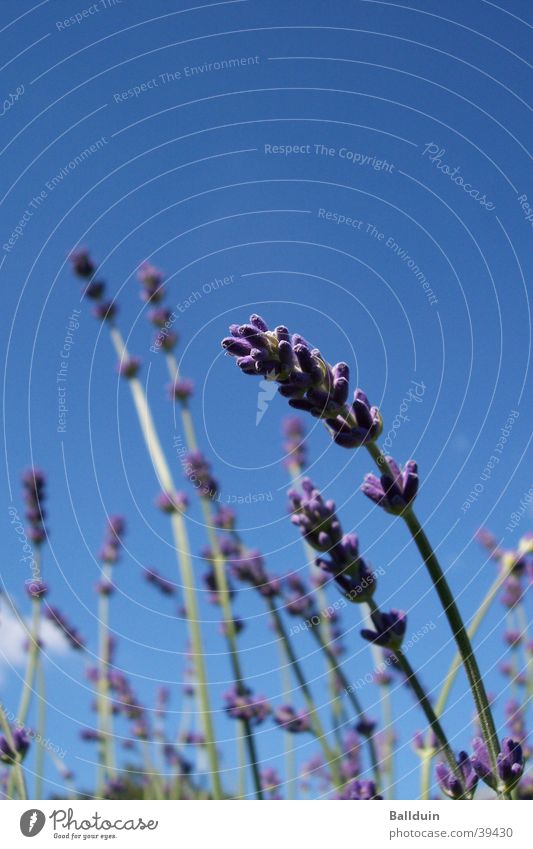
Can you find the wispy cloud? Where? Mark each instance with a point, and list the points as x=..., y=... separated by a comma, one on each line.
x=13, y=637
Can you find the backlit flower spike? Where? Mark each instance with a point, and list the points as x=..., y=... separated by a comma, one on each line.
x=198, y=471
x=172, y=502
x=82, y=264
x=164, y=586
x=181, y=389
x=294, y=444
x=453, y=786
x=395, y=492
x=318, y=523
x=34, y=484
x=305, y=379
x=389, y=629
x=249, y=567
x=21, y=745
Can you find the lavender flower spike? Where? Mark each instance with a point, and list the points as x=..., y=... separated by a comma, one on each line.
x=451, y=785
x=390, y=629
x=291, y=720
x=305, y=378
x=360, y=791
x=394, y=492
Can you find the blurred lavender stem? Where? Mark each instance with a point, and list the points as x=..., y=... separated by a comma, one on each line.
x=422, y=699
x=33, y=657
x=318, y=730
x=221, y=580
x=290, y=759
x=453, y=615
x=41, y=726
x=184, y=559
x=104, y=712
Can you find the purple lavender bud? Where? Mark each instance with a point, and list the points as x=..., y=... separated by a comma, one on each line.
x=243, y=705
x=238, y=626
x=291, y=720
x=129, y=367
x=167, y=341
x=453, y=786
x=90, y=735
x=82, y=264
x=160, y=316
x=360, y=791
x=249, y=567
x=162, y=584
x=225, y=518
x=71, y=634
x=175, y=502
x=513, y=638
x=366, y=727
x=510, y=763
x=396, y=491
x=105, y=588
x=94, y=290
x=181, y=390
x=151, y=279
x=295, y=452
x=368, y=423
x=389, y=629
x=21, y=745
x=36, y=589
x=105, y=311
x=198, y=472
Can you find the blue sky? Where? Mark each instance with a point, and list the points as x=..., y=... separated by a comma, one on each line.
x=351, y=111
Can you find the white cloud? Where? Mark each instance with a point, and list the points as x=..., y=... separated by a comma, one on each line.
x=13, y=637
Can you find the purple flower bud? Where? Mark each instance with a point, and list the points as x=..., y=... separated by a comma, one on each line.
x=162, y=584
x=225, y=518
x=510, y=762
x=291, y=720
x=21, y=745
x=389, y=629
x=198, y=472
x=105, y=311
x=396, y=491
x=160, y=317
x=129, y=367
x=452, y=785
x=365, y=727
x=182, y=389
x=151, y=279
x=94, y=290
x=175, y=502
x=243, y=705
x=82, y=264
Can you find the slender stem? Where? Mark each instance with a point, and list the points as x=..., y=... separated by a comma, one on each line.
x=455, y=621
x=104, y=712
x=290, y=761
x=184, y=559
x=313, y=713
x=31, y=666
x=41, y=723
x=356, y=704
x=449, y=680
x=222, y=584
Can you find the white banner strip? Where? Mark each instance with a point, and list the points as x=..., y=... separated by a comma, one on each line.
x=220, y=825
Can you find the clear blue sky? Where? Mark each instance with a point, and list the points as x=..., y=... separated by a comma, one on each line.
x=191, y=170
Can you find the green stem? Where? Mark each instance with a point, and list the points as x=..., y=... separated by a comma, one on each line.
x=356, y=704
x=222, y=586
x=330, y=756
x=181, y=539
x=104, y=712
x=290, y=761
x=31, y=666
x=455, y=666
x=41, y=723
x=455, y=621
